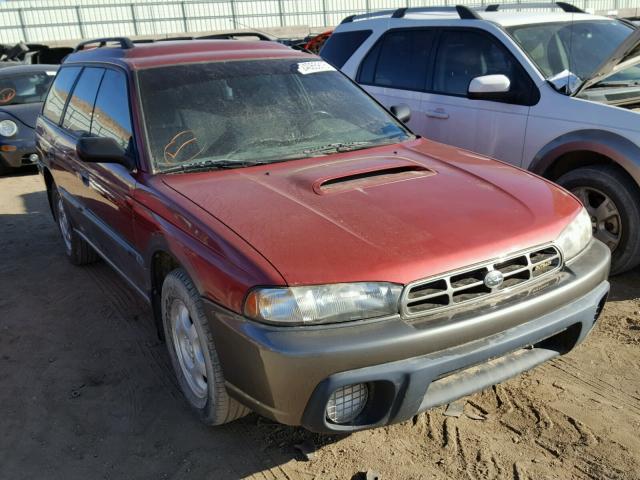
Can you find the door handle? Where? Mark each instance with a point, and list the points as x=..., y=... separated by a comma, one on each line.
x=437, y=113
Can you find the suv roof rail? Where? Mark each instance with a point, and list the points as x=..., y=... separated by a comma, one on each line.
x=567, y=7
x=464, y=12
x=124, y=42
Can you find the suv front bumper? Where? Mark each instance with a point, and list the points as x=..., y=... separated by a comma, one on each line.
x=289, y=373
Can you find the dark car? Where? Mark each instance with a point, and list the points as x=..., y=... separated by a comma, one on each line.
x=22, y=91
x=306, y=255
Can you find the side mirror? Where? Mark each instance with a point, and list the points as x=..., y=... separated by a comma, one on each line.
x=402, y=112
x=490, y=87
x=102, y=150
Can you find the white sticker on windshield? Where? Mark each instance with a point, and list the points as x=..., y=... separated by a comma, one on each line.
x=306, y=68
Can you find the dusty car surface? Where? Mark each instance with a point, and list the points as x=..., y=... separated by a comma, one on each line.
x=22, y=91
x=306, y=255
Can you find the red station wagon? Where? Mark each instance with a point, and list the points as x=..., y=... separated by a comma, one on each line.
x=305, y=255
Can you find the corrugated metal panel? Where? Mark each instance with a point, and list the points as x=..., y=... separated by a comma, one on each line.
x=48, y=20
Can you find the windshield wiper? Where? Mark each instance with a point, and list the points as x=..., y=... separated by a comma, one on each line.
x=340, y=147
x=210, y=165
x=617, y=83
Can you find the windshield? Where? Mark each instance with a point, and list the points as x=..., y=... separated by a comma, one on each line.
x=579, y=47
x=259, y=111
x=24, y=88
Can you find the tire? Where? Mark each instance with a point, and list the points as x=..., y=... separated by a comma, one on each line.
x=78, y=251
x=195, y=359
x=592, y=185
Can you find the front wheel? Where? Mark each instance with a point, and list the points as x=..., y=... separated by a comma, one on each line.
x=193, y=353
x=611, y=199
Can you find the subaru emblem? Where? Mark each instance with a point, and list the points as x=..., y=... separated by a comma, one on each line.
x=493, y=279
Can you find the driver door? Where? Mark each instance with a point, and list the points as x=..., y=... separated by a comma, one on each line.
x=492, y=128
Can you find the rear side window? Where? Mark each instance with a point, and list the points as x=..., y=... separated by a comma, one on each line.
x=111, y=115
x=399, y=60
x=59, y=92
x=77, y=117
x=340, y=46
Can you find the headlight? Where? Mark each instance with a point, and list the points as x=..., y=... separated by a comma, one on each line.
x=8, y=128
x=575, y=237
x=340, y=302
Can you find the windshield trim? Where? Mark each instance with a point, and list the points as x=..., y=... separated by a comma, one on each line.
x=151, y=166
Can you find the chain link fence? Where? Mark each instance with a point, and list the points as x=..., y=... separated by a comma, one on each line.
x=59, y=20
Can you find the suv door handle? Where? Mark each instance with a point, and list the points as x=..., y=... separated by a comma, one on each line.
x=437, y=113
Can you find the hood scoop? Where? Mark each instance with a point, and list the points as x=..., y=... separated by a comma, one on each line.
x=370, y=178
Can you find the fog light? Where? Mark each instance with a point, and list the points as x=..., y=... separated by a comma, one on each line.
x=346, y=403
x=33, y=158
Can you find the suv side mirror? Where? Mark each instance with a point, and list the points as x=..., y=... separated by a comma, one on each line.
x=402, y=112
x=490, y=87
x=102, y=150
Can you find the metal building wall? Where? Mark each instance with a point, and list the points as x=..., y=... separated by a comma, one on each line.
x=51, y=20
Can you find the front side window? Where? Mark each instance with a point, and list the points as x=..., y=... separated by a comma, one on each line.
x=258, y=111
x=111, y=115
x=399, y=60
x=57, y=98
x=340, y=46
x=77, y=117
x=579, y=47
x=24, y=88
x=465, y=54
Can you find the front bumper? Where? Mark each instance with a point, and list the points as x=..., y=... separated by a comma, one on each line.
x=20, y=156
x=288, y=373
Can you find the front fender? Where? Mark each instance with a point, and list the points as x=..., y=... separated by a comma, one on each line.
x=612, y=145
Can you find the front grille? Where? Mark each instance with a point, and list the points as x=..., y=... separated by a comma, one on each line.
x=468, y=284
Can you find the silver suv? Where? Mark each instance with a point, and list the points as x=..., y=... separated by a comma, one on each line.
x=551, y=88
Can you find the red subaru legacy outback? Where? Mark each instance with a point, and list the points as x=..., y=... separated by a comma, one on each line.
x=306, y=256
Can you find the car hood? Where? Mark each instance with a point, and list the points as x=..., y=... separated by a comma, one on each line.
x=386, y=214
x=26, y=113
x=626, y=55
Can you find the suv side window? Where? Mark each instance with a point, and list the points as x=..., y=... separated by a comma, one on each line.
x=57, y=97
x=400, y=59
x=77, y=116
x=340, y=46
x=111, y=115
x=465, y=54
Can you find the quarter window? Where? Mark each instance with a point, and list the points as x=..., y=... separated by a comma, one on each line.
x=340, y=46
x=111, y=115
x=399, y=60
x=77, y=117
x=62, y=85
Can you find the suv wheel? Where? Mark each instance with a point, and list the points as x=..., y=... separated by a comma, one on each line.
x=612, y=202
x=77, y=249
x=193, y=353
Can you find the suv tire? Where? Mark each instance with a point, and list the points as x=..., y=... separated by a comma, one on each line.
x=77, y=249
x=592, y=185
x=193, y=353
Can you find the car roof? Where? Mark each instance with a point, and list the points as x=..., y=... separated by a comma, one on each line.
x=28, y=68
x=165, y=53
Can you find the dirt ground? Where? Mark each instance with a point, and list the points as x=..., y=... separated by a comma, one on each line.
x=86, y=391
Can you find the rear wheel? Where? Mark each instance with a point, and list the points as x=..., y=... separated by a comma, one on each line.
x=611, y=199
x=77, y=249
x=193, y=353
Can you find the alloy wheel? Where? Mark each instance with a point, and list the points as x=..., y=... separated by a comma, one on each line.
x=605, y=216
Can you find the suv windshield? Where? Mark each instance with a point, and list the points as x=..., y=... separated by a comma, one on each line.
x=579, y=47
x=24, y=88
x=237, y=113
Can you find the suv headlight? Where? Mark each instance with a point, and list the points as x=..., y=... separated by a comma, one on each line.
x=340, y=302
x=8, y=128
x=576, y=236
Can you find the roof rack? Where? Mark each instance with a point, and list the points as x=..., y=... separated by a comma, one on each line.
x=465, y=13
x=233, y=36
x=124, y=42
x=567, y=7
